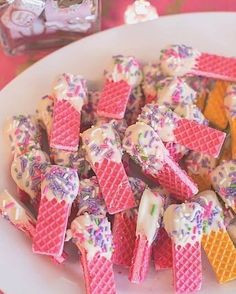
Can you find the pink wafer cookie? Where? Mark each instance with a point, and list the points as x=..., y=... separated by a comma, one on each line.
x=148, y=223
x=176, y=180
x=176, y=151
x=114, y=185
x=179, y=60
x=59, y=188
x=215, y=66
x=187, y=267
x=199, y=138
x=123, y=231
x=141, y=260
x=70, y=94
x=183, y=223
x=125, y=75
x=172, y=128
x=114, y=99
x=98, y=274
x=65, y=126
x=147, y=149
x=162, y=251
x=21, y=218
x=103, y=151
x=124, y=227
x=92, y=235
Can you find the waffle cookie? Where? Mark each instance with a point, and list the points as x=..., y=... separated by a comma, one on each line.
x=59, y=188
x=183, y=223
x=179, y=60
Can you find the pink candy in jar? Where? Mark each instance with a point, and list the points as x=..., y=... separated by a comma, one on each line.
x=38, y=24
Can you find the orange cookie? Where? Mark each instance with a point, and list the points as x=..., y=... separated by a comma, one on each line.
x=215, y=111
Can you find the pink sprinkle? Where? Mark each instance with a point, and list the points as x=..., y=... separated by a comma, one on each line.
x=9, y=205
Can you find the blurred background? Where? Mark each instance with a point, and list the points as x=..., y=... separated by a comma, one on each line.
x=113, y=14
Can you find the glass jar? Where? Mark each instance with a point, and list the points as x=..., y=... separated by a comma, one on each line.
x=27, y=25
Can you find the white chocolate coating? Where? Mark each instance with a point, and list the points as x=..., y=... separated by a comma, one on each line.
x=174, y=91
x=126, y=68
x=199, y=163
x=213, y=218
x=60, y=183
x=24, y=134
x=14, y=211
x=72, y=88
x=183, y=222
x=26, y=171
x=178, y=60
x=162, y=119
x=149, y=215
x=44, y=113
x=191, y=112
x=100, y=143
x=145, y=147
x=92, y=235
x=223, y=179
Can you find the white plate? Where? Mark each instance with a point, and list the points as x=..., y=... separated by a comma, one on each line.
x=21, y=272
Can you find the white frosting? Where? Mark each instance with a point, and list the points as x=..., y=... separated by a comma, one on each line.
x=162, y=119
x=230, y=101
x=183, y=222
x=90, y=198
x=23, y=133
x=173, y=92
x=152, y=74
x=44, y=113
x=71, y=88
x=223, y=179
x=14, y=211
x=60, y=183
x=199, y=163
x=178, y=60
x=119, y=125
x=166, y=195
x=101, y=142
x=191, y=112
x=73, y=159
x=26, y=171
x=85, y=240
x=213, y=218
x=149, y=215
x=126, y=69
x=89, y=110
x=143, y=144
